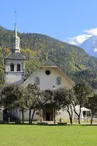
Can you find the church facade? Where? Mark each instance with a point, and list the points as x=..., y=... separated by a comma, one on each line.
x=48, y=76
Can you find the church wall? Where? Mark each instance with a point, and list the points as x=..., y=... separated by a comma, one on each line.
x=15, y=62
x=48, y=81
x=11, y=77
x=62, y=114
x=18, y=114
x=14, y=76
x=59, y=114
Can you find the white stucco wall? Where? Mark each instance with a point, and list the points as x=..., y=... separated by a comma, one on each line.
x=14, y=76
x=18, y=114
x=48, y=81
x=15, y=62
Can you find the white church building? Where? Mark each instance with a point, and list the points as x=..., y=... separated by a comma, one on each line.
x=49, y=75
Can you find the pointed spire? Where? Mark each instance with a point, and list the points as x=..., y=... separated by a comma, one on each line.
x=16, y=39
x=15, y=30
x=15, y=24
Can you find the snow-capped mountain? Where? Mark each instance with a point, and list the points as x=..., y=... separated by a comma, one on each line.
x=90, y=45
x=87, y=41
x=78, y=40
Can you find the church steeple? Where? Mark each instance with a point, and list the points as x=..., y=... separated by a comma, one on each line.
x=15, y=64
x=15, y=30
x=15, y=39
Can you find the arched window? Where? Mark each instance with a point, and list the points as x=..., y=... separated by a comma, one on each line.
x=37, y=81
x=11, y=67
x=58, y=80
x=18, y=67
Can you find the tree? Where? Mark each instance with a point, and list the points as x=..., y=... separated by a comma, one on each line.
x=81, y=91
x=2, y=77
x=63, y=99
x=44, y=97
x=13, y=96
x=20, y=103
x=39, y=101
x=32, y=96
x=9, y=96
x=92, y=105
x=6, y=51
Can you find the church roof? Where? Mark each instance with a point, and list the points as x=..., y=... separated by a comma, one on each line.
x=15, y=56
x=49, y=63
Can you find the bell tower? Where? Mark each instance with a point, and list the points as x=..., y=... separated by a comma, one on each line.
x=14, y=62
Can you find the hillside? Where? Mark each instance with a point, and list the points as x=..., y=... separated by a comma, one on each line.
x=38, y=48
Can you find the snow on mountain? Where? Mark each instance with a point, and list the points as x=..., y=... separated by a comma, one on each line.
x=78, y=40
x=87, y=41
x=90, y=45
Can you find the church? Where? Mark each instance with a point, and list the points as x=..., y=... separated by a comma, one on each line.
x=48, y=76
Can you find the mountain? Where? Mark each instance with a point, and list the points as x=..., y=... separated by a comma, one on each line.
x=90, y=45
x=37, y=48
x=78, y=40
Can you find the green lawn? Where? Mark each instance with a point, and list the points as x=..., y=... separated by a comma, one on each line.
x=30, y=135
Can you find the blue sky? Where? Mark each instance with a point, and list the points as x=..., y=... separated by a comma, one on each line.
x=60, y=19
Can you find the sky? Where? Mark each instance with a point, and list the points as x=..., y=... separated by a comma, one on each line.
x=60, y=19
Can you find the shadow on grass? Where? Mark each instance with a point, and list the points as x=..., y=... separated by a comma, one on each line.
x=38, y=124
x=89, y=125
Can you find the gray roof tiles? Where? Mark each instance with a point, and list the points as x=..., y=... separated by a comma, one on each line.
x=15, y=56
x=49, y=63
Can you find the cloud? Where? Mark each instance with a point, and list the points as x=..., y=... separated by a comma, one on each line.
x=95, y=49
x=92, y=31
x=77, y=40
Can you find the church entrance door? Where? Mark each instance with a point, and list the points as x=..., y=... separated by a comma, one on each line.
x=47, y=116
x=48, y=112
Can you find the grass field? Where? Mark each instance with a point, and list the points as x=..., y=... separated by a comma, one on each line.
x=30, y=135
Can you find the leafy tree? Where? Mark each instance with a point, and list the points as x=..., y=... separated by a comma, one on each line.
x=81, y=91
x=6, y=51
x=63, y=99
x=2, y=77
x=9, y=96
x=40, y=99
x=20, y=103
x=13, y=96
x=92, y=105
x=33, y=93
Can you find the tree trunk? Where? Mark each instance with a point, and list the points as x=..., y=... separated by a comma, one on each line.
x=29, y=116
x=22, y=116
x=54, y=116
x=76, y=112
x=79, y=115
x=79, y=119
x=91, y=121
x=70, y=112
x=33, y=115
x=70, y=115
x=70, y=119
